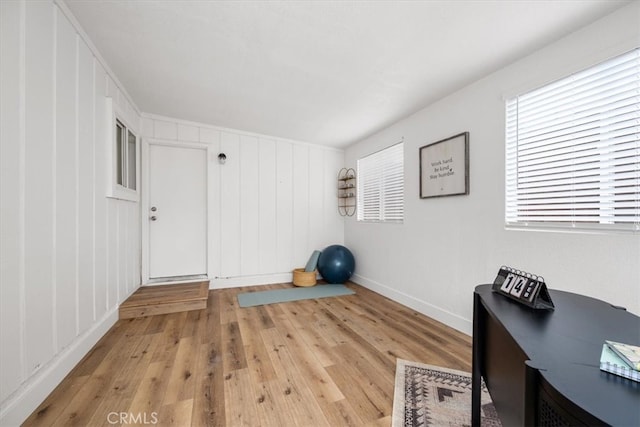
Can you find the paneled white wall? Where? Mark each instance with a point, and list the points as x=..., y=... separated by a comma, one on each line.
x=271, y=204
x=69, y=255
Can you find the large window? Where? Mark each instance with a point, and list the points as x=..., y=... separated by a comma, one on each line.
x=573, y=150
x=381, y=185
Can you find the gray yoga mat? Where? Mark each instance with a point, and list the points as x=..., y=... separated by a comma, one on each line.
x=275, y=296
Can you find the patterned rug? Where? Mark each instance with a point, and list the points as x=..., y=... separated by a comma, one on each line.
x=428, y=395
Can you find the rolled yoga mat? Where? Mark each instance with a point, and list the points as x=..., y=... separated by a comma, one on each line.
x=313, y=262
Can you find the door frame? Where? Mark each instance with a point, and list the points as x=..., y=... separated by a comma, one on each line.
x=145, y=206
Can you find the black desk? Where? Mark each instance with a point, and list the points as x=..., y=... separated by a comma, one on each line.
x=542, y=367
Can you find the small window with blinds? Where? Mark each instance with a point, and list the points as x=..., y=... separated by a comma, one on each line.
x=125, y=156
x=573, y=150
x=381, y=185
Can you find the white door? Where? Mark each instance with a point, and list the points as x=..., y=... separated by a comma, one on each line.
x=177, y=211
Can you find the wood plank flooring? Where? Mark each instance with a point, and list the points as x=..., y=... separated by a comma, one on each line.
x=325, y=362
x=165, y=299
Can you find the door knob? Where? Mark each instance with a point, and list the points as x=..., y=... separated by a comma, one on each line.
x=153, y=218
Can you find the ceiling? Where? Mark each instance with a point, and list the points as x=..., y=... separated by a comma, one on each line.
x=326, y=72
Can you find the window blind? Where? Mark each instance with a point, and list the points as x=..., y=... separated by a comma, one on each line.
x=380, y=185
x=573, y=150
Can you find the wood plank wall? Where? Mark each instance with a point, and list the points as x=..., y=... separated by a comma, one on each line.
x=69, y=254
x=272, y=203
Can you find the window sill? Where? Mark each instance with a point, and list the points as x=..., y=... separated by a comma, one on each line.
x=121, y=193
x=578, y=229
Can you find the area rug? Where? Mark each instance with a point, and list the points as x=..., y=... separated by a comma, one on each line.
x=275, y=296
x=428, y=395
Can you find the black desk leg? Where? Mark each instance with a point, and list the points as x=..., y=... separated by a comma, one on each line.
x=531, y=375
x=476, y=375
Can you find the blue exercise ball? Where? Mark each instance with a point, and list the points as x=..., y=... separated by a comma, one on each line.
x=336, y=264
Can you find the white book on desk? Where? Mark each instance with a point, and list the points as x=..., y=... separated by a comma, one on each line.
x=611, y=362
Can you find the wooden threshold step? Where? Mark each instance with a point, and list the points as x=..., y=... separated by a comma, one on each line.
x=164, y=299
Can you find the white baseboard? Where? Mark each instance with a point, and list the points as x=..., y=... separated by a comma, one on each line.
x=450, y=319
x=176, y=280
x=20, y=404
x=240, y=281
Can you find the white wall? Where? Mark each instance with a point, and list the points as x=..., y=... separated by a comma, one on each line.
x=69, y=255
x=447, y=246
x=270, y=205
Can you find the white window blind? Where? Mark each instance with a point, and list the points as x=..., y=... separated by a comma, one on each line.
x=573, y=150
x=381, y=185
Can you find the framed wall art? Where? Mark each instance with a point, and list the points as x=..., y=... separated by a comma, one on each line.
x=444, y=167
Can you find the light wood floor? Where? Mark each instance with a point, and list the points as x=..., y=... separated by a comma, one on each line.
x=165, y=299
x=326, y=362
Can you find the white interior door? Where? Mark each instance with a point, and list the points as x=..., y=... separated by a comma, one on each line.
x=177, y=211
